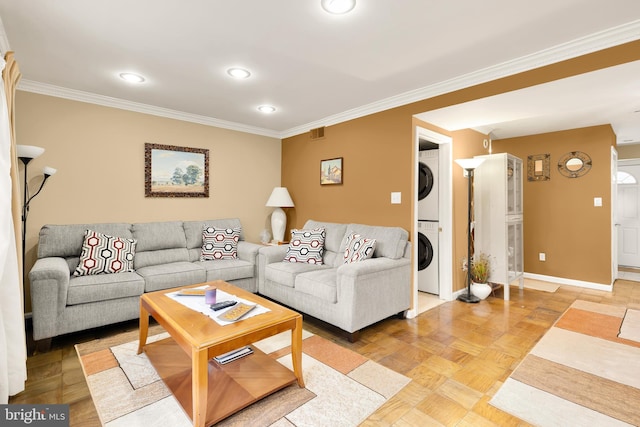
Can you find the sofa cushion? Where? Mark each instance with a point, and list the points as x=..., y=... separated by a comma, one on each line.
x=175, y=274
x=306, y=246
x=219, y=243
x=193, y=230
x=103, y=254
x=320, y=284
x=358, y=248
x=103, y=287
x=155, y=236
x=227, y=269
x=285, y=273
x=390, y=241
x=66, y=240
x=165, y=256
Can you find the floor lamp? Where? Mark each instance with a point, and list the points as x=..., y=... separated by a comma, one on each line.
x=26, y=153
x=469, y=165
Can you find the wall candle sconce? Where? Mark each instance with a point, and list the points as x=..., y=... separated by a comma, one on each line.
x=26, y=153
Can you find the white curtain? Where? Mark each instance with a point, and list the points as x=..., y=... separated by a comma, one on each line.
x=13, y=352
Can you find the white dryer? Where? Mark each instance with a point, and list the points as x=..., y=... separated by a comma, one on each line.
x=428, y=277
x=428, y=185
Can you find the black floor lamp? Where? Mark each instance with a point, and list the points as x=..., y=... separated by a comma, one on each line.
x=469, y=165
x=26, y=153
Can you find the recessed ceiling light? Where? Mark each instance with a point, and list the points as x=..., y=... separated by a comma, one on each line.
x=338, y=7
x=238, y=73
x=132, y=77
x=267, y=109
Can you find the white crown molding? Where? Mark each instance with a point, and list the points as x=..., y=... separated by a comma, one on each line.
x=4, y=40
x=107, y=101
x=592, y=43
x=602, y=40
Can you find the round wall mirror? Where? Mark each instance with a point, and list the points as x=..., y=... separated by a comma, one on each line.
x=574, y=164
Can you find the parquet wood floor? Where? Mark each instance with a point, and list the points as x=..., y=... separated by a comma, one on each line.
x=457, y=354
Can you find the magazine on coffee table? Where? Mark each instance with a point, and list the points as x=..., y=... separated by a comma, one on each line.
x=198, y=304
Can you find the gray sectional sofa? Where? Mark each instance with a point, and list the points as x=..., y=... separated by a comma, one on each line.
x=349, y=296
x=167, y=255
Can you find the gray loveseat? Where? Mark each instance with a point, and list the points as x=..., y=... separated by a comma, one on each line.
x=349, y=296
x=167, y=255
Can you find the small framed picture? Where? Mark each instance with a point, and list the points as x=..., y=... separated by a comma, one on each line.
x=331, y=171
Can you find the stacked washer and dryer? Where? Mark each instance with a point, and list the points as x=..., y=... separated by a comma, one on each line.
x=428, y=227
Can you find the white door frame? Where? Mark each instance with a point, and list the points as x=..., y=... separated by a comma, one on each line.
x=614, y=215
x=445, y=214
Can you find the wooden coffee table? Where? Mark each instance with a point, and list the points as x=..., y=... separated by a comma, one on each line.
x=208, y=391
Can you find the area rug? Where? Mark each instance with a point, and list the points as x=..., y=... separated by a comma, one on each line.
x=342, y=388
x=580, y=373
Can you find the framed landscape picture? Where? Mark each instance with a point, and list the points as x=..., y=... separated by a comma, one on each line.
x=331, y=171
x=171, y=171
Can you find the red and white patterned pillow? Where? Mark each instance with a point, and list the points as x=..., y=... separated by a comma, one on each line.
x=358, y=248
x=104, y=254
x=219, y=243
x=306, y=246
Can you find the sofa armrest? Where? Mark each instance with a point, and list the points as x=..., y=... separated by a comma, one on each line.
x=49, y=280
x=375, y=288
x=269, y=255
x=248, y=251
x=273, y=253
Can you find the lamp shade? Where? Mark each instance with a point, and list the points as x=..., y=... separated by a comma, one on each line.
x=470, y=164
x=29, y=151
x=280, y=198
x=48, y=170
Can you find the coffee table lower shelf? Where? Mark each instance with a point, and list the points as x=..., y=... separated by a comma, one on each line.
x=231, y=387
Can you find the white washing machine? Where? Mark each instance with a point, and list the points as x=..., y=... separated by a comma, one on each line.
x=428, y=277
x=428, y=185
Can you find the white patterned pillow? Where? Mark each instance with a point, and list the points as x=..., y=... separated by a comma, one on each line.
x=103, y=254
x=219, y=243
x=306, y=246
x=358, y=248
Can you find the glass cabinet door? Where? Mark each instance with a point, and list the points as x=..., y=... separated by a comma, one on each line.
x=514, y=186
x=515, y=257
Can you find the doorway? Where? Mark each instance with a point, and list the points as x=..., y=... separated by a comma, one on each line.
x=628, y=214
x=443, y=232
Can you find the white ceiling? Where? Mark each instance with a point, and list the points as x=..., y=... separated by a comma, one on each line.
x=608, y=96
x=319, y=69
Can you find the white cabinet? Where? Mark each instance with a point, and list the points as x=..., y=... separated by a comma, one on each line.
x=498, y=217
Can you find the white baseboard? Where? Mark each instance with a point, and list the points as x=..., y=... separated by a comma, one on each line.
x=570, y=282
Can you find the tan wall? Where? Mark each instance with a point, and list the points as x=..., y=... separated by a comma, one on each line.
x=559, y=216
x=99, y=154
x=378, y=159
x=628, y=151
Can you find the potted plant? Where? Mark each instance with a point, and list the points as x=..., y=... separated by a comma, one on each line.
x=480, y=269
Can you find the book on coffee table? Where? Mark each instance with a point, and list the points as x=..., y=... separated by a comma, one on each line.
x=233, y=355
x=236, y=312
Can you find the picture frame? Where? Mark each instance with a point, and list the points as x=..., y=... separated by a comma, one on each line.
x=331, y=171
x=173, y=171
x=538, y=167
